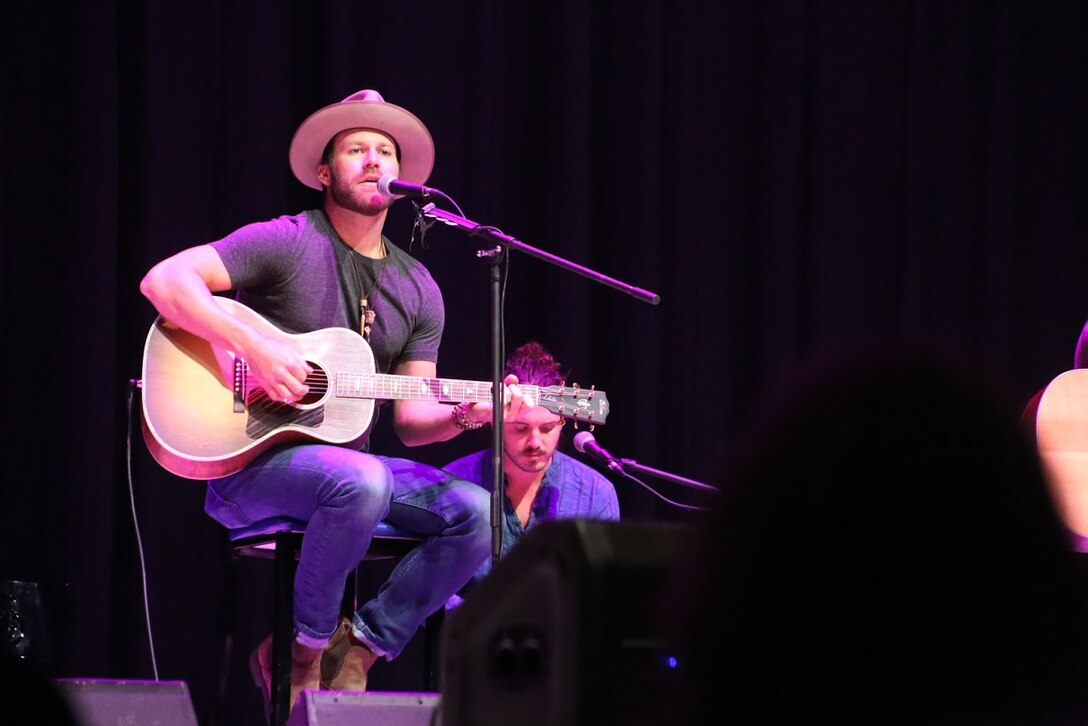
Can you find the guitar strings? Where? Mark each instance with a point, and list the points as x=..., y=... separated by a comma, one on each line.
x=259, y=402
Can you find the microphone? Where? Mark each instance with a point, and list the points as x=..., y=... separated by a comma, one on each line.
x=585, y=443
x=390, y=186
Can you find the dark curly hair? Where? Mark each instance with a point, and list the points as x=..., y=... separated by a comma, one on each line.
x=533, y=364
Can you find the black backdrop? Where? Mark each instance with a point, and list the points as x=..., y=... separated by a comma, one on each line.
x=790, y=177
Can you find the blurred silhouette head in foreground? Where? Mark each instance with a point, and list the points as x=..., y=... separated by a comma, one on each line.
x=885, y=550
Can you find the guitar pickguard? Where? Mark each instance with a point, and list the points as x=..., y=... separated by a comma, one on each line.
x=266, y=415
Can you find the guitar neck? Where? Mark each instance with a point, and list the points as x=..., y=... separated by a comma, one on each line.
x=392, y=387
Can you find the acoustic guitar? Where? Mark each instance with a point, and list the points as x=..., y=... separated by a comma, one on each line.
x=204, y=416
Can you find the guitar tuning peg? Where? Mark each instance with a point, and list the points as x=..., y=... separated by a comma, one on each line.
x=592, y=390
x=592, y=427
x=575, y=424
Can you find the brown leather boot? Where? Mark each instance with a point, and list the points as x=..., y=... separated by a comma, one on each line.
x=346, y=661
x=305, y=671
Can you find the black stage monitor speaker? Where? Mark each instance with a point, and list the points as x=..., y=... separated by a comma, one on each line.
x=566, y=630
x=336, y=708
x=108, y=703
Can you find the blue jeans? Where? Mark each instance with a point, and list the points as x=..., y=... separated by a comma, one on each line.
x=343, y=494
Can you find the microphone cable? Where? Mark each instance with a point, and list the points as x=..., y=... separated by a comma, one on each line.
x=133, y=384
x=659, y=495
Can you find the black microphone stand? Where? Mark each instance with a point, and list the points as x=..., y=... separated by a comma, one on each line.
x=495, y=257
x=631, y=464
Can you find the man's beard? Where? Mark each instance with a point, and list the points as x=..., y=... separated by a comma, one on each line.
x=536, y=466
x=352, y=197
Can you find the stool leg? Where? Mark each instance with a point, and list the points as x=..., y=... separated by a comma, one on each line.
x=350, y=602
x=229, y=618
x=432, y=637
x=283, y=628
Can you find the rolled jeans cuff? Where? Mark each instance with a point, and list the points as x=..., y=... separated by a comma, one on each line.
x=311, y=642
x=364, y=637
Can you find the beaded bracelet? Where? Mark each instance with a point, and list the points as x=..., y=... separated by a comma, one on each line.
x=461, y=419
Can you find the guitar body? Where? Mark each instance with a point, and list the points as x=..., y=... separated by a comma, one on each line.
x=1061, y=432
x=199, y=425
x=204, y=416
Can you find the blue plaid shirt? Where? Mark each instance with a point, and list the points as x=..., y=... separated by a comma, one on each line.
x=570, y=490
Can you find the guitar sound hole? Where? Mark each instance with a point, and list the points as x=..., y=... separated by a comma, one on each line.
x=318, y=381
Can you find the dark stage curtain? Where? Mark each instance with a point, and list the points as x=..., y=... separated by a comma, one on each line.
x=793, y=178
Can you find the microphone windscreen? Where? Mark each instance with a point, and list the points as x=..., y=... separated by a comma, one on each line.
x=581, y=439
x=383, y=185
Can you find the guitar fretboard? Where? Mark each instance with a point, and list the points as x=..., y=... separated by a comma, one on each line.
x=391, y=387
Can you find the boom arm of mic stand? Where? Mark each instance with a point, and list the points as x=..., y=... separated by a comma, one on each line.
x=474, y=228
x=634, y=465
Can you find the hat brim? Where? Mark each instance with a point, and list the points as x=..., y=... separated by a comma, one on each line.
x=313, y=135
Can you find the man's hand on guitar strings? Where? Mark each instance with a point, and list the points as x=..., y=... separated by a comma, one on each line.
x=279, y=369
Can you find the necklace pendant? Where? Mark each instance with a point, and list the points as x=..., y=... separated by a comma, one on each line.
x=366, y=317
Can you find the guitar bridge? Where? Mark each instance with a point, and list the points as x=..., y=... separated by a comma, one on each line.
x=239, y=385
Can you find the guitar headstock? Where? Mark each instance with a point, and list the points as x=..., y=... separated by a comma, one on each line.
x=573, y=402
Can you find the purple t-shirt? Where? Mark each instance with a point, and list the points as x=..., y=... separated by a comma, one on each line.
x=297, y=273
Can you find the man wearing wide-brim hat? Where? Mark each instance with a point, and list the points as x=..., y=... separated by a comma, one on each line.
x=323, y=269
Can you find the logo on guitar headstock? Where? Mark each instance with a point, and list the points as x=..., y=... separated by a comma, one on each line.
x=575, y=403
